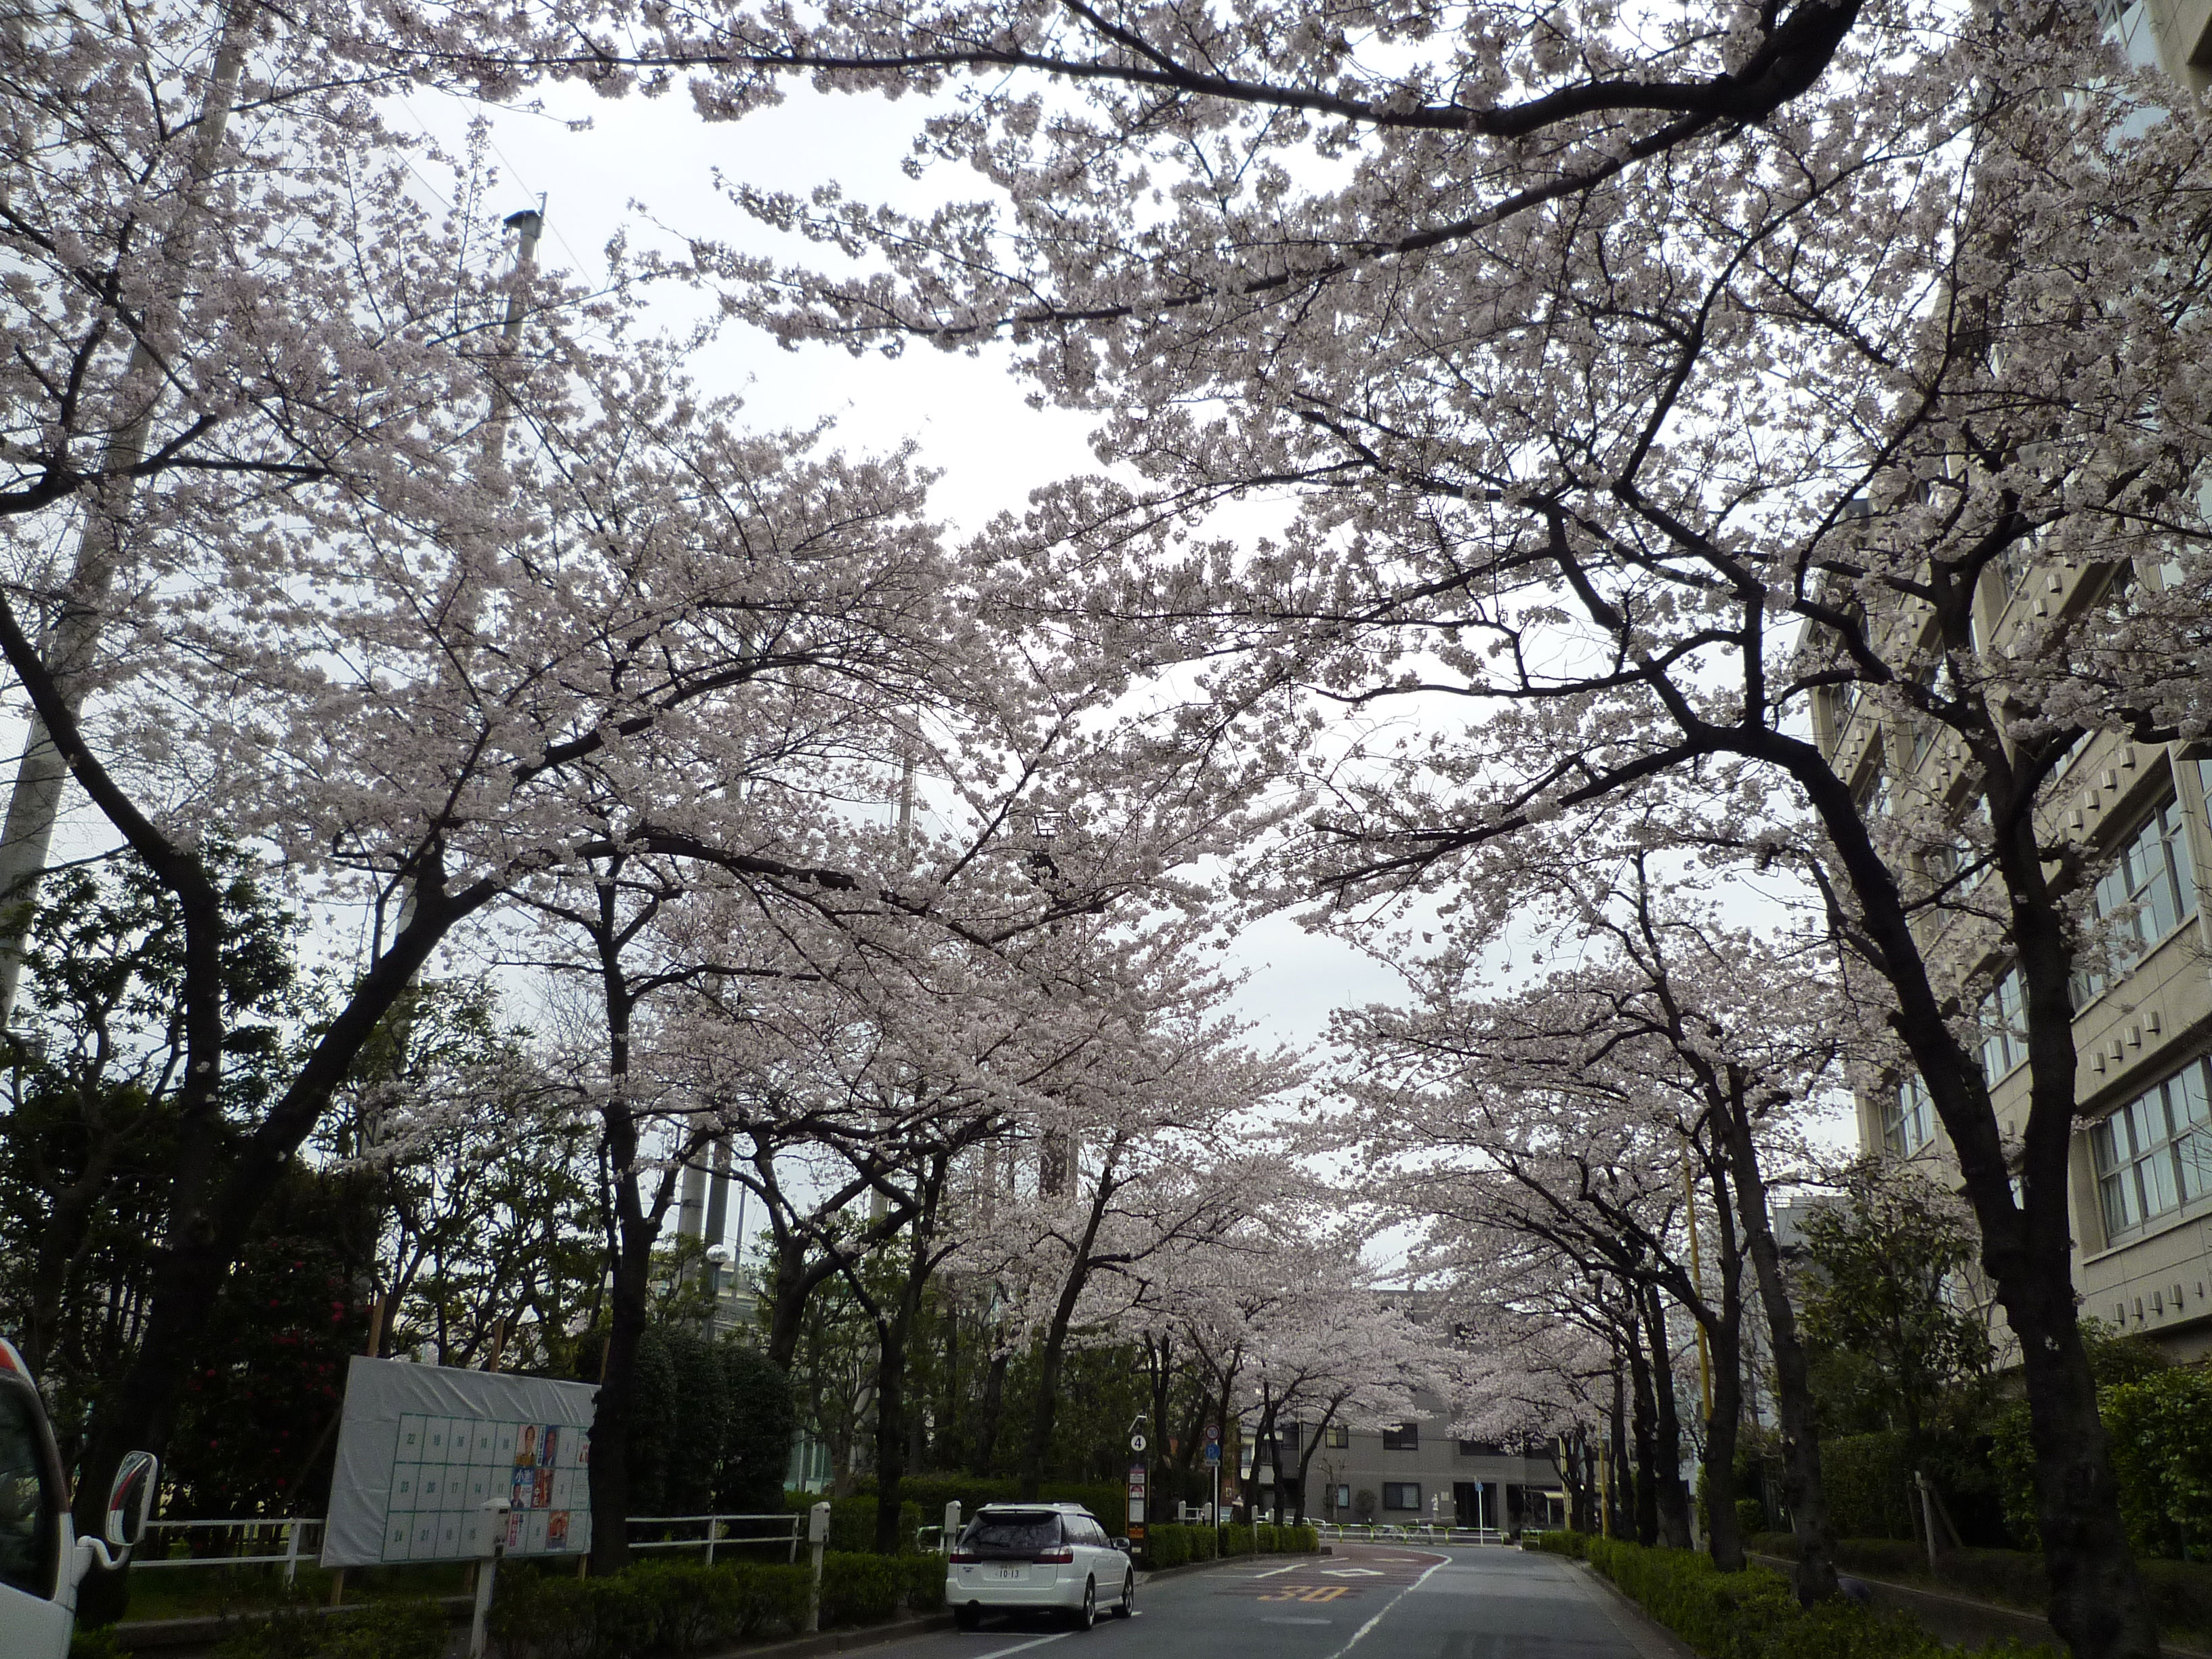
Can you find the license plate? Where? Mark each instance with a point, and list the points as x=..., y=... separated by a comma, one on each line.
x=1013, y=1572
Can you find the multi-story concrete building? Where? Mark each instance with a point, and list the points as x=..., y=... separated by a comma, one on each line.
x=1416, y=1471
x=2141, y=1195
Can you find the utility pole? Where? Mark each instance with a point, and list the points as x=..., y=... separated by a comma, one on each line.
x=72, y=638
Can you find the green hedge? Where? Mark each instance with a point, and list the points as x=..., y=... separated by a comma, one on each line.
x=929, y=1493
x=386, y=1630
x=1751, y=1614
x=860, y=1588
x=852, y=1520
x=1172, y=1545
x=668, y=1610
x=2181, y=1591
x=1868, y=1485
x=657, y=1610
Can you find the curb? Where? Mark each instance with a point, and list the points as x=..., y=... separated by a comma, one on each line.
x=1650, y=1638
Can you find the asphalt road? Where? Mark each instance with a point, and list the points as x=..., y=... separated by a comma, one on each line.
x=1363, y=1602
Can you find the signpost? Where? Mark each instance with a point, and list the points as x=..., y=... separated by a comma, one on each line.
x=1213, y=1463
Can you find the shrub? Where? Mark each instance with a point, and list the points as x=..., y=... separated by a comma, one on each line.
x=1298, y=1539
x=860, y=1589
x=1167, y=1545
x=2161, y=1431
x=387, y=1630
x=1868, y=1485
x=2181, y=1591
x=925, y=1582
x=852, y=1520
x=1205, y=1543
x=929, y=1493
x=1752, y=1614
x=1236, y=1540
x=657, y=1610
x=1572, y=1544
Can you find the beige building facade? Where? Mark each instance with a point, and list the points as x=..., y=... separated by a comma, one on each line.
x=2140, y=1200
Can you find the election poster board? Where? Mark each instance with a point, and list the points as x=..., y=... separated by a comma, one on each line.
x=423, y=1449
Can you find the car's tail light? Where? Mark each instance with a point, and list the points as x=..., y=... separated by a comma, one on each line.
x=965, y=1558
x=1062, y=1557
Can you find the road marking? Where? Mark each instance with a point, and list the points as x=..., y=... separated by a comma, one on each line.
x=1352, y=1572
x=1386, y=1605
x=1273, y=1572
x=1298, y=1621
x=1022, y=1647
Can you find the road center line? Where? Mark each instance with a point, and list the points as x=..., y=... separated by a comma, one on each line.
x=1386, y=1608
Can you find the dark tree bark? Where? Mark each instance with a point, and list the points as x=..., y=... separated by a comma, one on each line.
x=990, y=1411
x=1644, y=1427
x=1816, y=1574
x=1673, y=1496
x=1724, y=1338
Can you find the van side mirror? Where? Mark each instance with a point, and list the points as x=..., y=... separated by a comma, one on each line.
x=130, y=1499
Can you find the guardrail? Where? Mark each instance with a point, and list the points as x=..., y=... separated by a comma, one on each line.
x=288, y=1528
x=765, y=1529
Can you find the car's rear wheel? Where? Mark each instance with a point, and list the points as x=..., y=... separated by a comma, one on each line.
x=969, y=1617
x=1126, y=1606
x=1087, y=1614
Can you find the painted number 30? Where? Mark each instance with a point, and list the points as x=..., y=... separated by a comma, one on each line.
x=1314, y=1593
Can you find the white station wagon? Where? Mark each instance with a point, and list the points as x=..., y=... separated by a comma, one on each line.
x=1051, y=1557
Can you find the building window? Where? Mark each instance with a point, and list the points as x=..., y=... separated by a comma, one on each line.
x=1401, y=1495
x=1480, y=1448
x=2154, y=878
x=1401, y=1436
x=2154, y=1154
x=1908, y=1117
x=2004, y=1025
x=1343, y=1496
x=1340, y=1437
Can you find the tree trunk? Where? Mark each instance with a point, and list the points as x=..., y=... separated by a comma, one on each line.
x=1620, y=1493
x=611, y=1411
x=1802, y=1487
x=989, y=1412
x=1674, y=1496
x=1644, y=1428
x=1054, y=1350
x=890, y=1429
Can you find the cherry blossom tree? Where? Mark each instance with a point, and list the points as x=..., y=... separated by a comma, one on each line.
x=1500, y=1132
x=1655, y=476
x=1744, y=1035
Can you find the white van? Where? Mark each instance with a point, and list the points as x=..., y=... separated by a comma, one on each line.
x=42, y=1560
x=1018, y=1556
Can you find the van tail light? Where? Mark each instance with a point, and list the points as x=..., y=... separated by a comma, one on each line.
x=965, y=1558
x=1062, y=1557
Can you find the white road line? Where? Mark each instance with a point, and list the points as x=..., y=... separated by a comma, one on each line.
x=1386, y=1608
x=1023, y=1647
x=1275, y=1572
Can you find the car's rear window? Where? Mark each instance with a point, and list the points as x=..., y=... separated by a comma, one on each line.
x=1012, y=1534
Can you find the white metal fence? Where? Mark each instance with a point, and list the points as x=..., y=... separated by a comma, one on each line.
x=286, y=1535
x=1419, y=1532
x=717, y=1530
